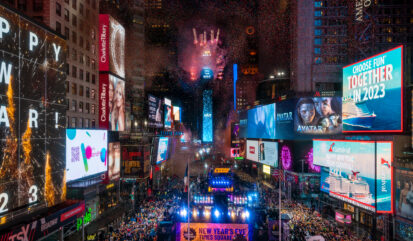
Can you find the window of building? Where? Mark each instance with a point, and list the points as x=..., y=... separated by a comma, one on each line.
x=74, y=4
x=318, y=32
x=81, y=41
x=93, y=94
x=86, y=124
x=58, y=27
x=317, y=51
x=317, y=22
x=80, y=90
x=37, y=5
x=87, y=13
x=87, y=47
x=80, y=106
x=93, y=79
x=318, y=60
x=81, y=58
x=58, y=9
x=93, y=64
x=317, y=41
x=93, y=33
x=21, y=5
x=74, y=71
x=94, y=4
x=74, y=20
x=87, y=108
x=318, y=13
x=67, y=31
x=67, y=15
x=80, y=124
x=81, y=74
x=67, y=1
x=74, y=37
x=87, y=76
x=93, y=49
x=87, y=92
x=74, y=89
x=318, y=4
x=93, y=123
x=81, y=9
x=87, y=61
x=74, y=54
x=67, y=67
x=74, y=105
x=67, y=102
x=92, y=110
x=81, y=26
x=73, y=123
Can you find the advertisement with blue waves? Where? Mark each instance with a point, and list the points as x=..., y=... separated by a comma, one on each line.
x=348, y=172
x=261, y=122
x=372, y=89
x=207, y=135
x=162, y=154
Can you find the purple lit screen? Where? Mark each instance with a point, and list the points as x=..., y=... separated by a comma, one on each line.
x=286, y=158
x=309, y=160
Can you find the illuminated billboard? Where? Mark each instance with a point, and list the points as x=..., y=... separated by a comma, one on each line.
x=213, y=231
x=318, y=116
x=285, y=119
x=268, y=153
x=207, y=128
x=168, y=113
x=252, y=150
x=162, y=154
x=261, y=122
x=373, y=93
x=234, y=135
x=243, y=120
x=111, y=103
x=404, y=193
x=111, y=46
x=32, y=115
x=86, y=153
x=207, y=73
x=349, y=168
x=155, y=112
x=177, y=113
x=114, y=160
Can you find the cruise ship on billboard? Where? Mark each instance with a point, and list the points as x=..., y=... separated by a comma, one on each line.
x=357, y=114
x=353, y=187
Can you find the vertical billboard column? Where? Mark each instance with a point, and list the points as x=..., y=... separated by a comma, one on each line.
x=104, y=101
x=103, y=42
x=207, y=135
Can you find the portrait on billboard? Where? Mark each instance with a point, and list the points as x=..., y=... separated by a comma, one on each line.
x=116, y=103
x=372, y=93
x=114, y=160
x=268, y=153
x=404, y=193
x=261, y=122
x=155, y=112
x=162, y=154
x=318, y=116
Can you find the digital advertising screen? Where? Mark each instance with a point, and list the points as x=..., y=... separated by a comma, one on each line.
x=318, y=116
x=155, y=112
x=114, y=160
x=268, y=153
x=243, y=120
x=348, y=172
x=32, y=115
x=177, y=113
x=372, y=93
x=112, y=114
x=404, y=193
x=111, y=45
x=168, y=113
x=212, y=231
x=86, y=153
x=234, y=135
x=285, y=119
x=286, y=156
x=261, y=122
x=252, y=150
x=207, y=123
x=162, y=154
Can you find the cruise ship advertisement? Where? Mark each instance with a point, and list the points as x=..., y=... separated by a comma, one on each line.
x=348, y=172
x=372, y=93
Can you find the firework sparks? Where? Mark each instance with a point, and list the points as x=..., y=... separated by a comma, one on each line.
x=63, y=195
x=26, y=167
x=49, y=189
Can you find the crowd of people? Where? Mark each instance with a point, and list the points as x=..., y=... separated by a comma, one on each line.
x=143, y=224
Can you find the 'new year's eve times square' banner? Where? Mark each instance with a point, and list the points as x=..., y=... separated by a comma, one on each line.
x=32, y=114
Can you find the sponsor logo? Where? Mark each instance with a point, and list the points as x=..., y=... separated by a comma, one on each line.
x=191, y=235
x=103, y=48
x=331, y=147
x=252, y=150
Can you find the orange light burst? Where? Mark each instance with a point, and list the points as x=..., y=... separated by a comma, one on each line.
x=26, y=168
x=48, y=184
x=63, y=196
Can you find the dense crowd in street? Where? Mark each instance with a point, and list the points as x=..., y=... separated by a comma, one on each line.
x=143, y=224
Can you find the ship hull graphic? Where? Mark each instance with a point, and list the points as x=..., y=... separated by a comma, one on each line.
x=353, y=187
x=357, y=114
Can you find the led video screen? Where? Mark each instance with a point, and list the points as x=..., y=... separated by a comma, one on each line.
x=372, y=93
x=177, y=113
x=213, y=231
x=114, y=160
x=349, y=168
x=261, y=122
x=168, y=114
x=243, y=120
x=111, y=46
x=112, y=114
x=404, y=193
x=32, y=115
x=234, y=135
x=86, y=153
x=285, y=119
x=162, y=154
x=318, y=116
x=268, y=153
x=252, y=150
x=155, y=112
x=207, y=125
